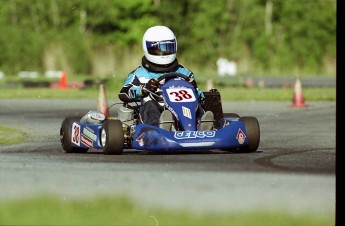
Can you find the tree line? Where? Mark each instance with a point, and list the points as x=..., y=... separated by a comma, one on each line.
x=104, y=36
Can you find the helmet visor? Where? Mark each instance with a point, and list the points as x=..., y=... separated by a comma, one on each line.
x=161, y=48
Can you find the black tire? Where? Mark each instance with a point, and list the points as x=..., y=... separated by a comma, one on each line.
x=66, y=135
x=230, y=115
x=253, y=133
x=114, y=137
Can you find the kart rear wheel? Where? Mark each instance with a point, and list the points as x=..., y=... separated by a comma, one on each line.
x=112, y=137
x=66, y=136
x=253, y=133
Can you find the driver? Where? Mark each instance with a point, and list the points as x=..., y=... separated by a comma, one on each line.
x=159, y=46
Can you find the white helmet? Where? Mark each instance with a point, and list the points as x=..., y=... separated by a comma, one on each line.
x=159, y=45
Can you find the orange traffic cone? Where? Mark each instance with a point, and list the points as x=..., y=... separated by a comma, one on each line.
x=63, y=81
x=249, y=82
x=298, y=98
x=102, y=104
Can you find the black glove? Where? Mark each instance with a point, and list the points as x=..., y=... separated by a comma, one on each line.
x=151, y=85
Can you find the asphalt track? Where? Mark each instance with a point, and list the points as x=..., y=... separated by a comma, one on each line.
x=293, y=169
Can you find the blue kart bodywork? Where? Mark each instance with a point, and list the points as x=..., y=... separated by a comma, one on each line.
x=147, y=137
x=155, y=139
x=180, y=98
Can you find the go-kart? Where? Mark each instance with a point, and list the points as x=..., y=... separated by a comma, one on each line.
x=114, y=134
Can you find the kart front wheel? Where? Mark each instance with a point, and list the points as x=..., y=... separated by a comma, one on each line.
x=112, y=137
x=66, y=136
x=253, y=133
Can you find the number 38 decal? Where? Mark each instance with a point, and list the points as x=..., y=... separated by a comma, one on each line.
x=181, y=95
x=75, y=136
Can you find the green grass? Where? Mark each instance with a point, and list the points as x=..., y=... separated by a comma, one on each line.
x=11, y=135
x=50, y=210
x=227, y=93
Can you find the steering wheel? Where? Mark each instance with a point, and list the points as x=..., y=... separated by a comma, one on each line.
x=173, y=75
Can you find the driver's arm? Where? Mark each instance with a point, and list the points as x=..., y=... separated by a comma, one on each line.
x=131, y=89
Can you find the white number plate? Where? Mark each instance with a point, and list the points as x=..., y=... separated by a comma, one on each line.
x=181, y=95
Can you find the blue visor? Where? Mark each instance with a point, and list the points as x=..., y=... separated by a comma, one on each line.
x=161, y=48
